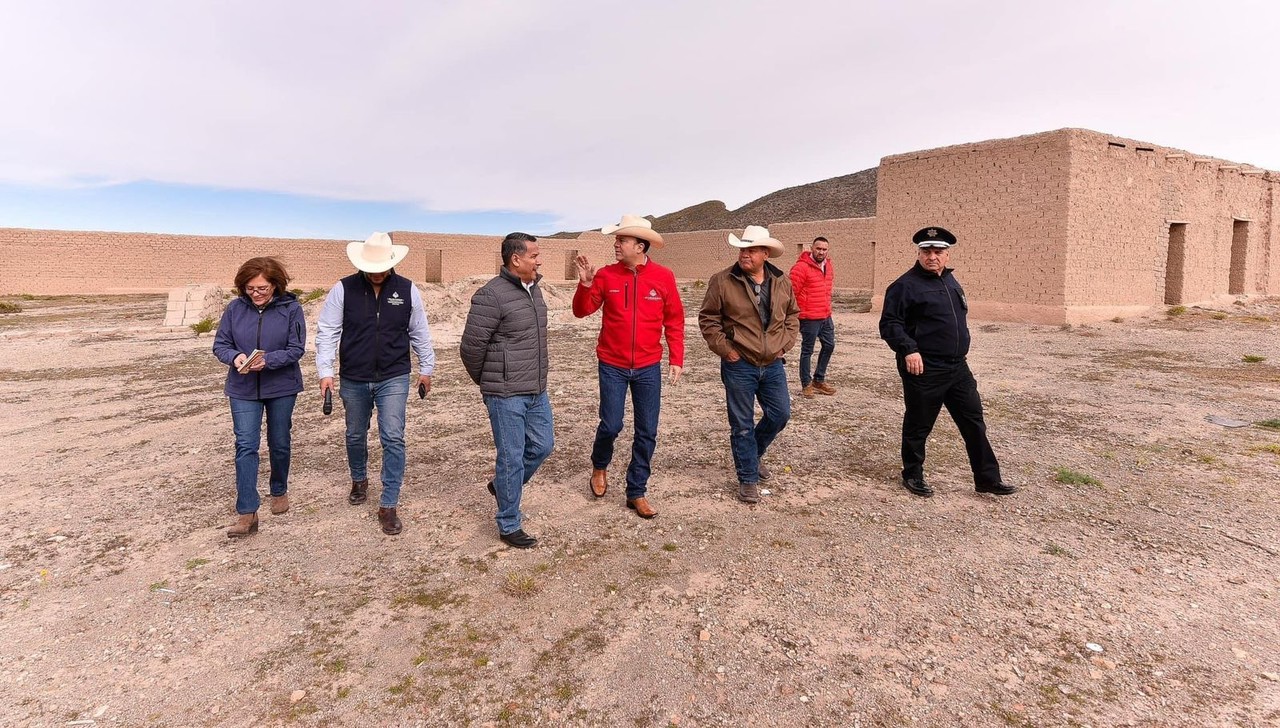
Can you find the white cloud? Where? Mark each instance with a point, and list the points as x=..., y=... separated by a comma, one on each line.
x=586, y=109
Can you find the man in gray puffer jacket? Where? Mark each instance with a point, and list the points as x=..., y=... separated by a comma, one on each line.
x=504, y=349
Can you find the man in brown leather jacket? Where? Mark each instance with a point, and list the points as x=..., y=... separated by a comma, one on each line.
x=749, y=317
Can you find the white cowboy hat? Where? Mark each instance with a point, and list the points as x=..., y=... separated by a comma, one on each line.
x=377, y=254
x=755, y=235
x=636, y=227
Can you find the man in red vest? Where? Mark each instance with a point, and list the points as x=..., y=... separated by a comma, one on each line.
x=812, y=278
x=641, y=305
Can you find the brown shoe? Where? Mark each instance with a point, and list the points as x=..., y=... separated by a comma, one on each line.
x=359, y=492
x=808, y=391
x=390, y=521
x=824, y=388
x=279, y=504
x=749, y=492
x=764, y=472
x=641, y=507
x=599, y=482
x=246, y=524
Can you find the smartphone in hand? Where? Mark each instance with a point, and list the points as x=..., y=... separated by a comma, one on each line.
x=422, y=391
x=328, y=402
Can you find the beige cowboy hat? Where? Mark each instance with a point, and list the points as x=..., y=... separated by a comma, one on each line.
x=377, y=254
x=636, y=227
x=755, y=235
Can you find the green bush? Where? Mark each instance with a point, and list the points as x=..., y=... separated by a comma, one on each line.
x=1071, y=477
x=314, y=294
x=203, y=326
x=1269, y=424
x=10, y=307
x=1176, y=310
x=1252, y=358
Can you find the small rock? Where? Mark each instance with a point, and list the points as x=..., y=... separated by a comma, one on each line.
x=1239, y=653
x=804, y=698
x=57, y=539
x=297, y=695
x=1272, y=676
x=704, y=636
x=101, y=709
x=214, y=709
x=1103, y=662
x=1093, y=646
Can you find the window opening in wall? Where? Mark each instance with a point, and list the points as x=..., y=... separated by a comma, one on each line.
x=1239, y=256
x=1115, y=144
x=570, y=265
x=1144, y=149
x=1175, y=265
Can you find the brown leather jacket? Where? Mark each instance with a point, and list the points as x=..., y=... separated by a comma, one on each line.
x=729, y=319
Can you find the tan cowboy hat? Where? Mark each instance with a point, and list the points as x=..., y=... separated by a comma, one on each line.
x=755, y=235
x=636, y=227
x=377, y=254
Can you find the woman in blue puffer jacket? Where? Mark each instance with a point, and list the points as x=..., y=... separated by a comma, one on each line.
x=264, y=316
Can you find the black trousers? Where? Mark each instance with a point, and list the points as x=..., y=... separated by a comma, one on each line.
x=925, y=395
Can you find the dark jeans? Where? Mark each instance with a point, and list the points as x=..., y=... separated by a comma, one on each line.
x=823, y=330
x=246, y=421
x=646, y=399
x=744, y=383
x=925, y=395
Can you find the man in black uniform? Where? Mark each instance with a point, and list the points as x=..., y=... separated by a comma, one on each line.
x=924, y=322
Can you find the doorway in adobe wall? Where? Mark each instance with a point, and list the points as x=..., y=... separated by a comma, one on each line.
x=1239, y=256
x=1175, y=264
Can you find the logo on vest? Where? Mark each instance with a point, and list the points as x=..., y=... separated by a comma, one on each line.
x=653, y=295
x=395, y=299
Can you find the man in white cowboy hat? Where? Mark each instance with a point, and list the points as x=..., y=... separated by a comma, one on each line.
x=370, y=320
x=749, y=317
x=641, y=303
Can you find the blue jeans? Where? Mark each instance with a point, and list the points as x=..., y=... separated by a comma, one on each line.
x=246, y=422
x=523, y=436
x=744, y=383
x=646, y=399
x=820, y=330
x=390, y=397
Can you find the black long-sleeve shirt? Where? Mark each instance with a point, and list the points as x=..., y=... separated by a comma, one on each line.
x=926, y=313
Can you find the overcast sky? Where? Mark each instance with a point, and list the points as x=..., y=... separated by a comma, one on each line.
x=336, y=118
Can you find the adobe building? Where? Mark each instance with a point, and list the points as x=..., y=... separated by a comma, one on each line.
x=1067, y=226
x=1071, y=226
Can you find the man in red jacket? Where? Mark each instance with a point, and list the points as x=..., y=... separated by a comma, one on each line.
x=812, y=278
x=641, y=304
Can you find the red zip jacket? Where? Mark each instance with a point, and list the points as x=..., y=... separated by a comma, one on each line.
x=638, y=307
x=813, y=287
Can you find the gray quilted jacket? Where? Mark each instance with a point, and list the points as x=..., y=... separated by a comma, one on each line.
x=504, y=345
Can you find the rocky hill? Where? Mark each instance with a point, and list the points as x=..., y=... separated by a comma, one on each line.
x=851, y=195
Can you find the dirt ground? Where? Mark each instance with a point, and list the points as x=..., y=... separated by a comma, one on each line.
x=1133, y=581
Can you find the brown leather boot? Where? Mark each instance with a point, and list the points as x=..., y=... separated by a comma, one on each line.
x=599, y=482
x=390, y=521
x=279, y=504
x=359, y=492
x=641, y=507
x=824, y=388
x=246, y=524
x=807, y=392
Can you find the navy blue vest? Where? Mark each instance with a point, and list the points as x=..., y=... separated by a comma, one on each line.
x=375, y=331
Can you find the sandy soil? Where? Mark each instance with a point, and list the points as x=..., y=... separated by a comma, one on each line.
x=1147, y=596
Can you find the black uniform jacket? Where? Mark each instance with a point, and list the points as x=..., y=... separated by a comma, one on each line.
x=926, y=313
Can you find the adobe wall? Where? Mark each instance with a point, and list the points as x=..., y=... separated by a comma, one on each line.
x=701, y=254
x=59, y=262
x=1005, y=200
x=1124, y=196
